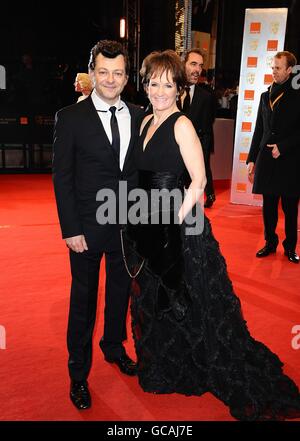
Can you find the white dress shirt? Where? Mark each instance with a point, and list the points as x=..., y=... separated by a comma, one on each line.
x=123, y=118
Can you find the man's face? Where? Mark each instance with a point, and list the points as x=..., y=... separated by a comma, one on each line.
x=109, y=77
x=280, y=71
x=193, y=67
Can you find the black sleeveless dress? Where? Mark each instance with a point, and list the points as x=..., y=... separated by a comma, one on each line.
x=189, y=332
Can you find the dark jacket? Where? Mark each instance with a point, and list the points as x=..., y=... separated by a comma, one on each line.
x=281, y=126
x=83, y=163
x=202, y=115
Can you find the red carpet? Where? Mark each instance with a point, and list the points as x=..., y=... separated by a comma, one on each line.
x=34, y=296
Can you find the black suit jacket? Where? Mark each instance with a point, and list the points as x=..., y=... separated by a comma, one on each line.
x=83, y=164
x=202, y=115
x=282, y=127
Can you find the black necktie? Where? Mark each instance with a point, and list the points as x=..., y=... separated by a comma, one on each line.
x=187, y=100
x=115, y=143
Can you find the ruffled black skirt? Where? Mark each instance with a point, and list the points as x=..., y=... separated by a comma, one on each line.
x=189, y=332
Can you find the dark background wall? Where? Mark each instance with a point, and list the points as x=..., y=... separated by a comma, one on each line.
x=157, y=25
x=47, y=30
x=60, y=40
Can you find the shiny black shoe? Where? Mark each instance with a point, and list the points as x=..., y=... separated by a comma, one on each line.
x=80, y=395
x=266, y=250
x=209, y=201
x=125, y=364
x=292, y=256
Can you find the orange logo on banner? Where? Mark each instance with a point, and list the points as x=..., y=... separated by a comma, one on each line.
x=24, y=120
x=272, y=45
x=241, y=187
x=246, y=126
x=268, y=79
x=255, y=27
x=249, y=95
x=243, y=157
x=252, y=62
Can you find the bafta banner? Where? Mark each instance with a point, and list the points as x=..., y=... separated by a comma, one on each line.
x=264, y=33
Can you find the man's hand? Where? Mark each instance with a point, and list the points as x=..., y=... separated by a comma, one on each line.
x=77, y=243
x=250, y=168
x=275, y=150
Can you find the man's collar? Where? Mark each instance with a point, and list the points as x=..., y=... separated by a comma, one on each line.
x=101, y=105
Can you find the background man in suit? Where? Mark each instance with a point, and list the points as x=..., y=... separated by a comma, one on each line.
x=199, y=106
x=275, y=151
x=93, y=141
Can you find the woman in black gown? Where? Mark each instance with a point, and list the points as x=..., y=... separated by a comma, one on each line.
x=189, y=332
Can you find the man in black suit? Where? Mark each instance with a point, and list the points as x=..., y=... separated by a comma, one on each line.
x=274, y=156
x=199, y=106
x=93, y=141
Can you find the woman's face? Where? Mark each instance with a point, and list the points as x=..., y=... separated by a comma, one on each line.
x=77, y=85
x=162, y=91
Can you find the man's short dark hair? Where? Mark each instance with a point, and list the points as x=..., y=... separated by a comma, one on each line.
x=194, y=50
x=109, y=49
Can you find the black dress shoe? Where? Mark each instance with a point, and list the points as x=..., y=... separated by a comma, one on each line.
x=209, y=201
x=292, y=256
x=124, y=363
x=80, y=395
x=266, y=250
